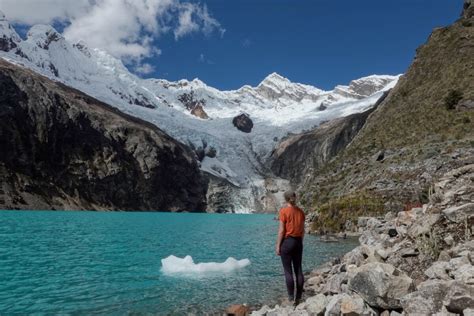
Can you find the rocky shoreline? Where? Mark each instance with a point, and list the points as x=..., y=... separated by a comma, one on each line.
x=416, y=262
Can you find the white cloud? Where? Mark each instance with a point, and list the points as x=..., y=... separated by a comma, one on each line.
x=144, y=69
x=193, y=17
x=43, y=11
x=126, y=29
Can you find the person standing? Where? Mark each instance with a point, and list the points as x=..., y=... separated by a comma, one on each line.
x=289, y=245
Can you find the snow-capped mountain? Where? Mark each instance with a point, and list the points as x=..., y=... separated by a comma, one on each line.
x=195, y=113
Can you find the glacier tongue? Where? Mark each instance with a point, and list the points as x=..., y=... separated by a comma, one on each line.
x=235, y=161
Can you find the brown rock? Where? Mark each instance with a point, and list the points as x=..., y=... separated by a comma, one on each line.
x=237, y=310
x=199, y=112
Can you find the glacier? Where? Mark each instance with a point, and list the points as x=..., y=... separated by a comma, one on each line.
x=239, y=180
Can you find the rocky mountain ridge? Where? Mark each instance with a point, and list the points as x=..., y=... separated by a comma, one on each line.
x=300, y=154
x=62, y=149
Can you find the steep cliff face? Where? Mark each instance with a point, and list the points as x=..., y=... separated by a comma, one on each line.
x=298, y=155
x=61, y=149
x=424, y=128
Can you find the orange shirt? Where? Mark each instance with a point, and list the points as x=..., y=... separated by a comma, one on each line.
x=293, y=219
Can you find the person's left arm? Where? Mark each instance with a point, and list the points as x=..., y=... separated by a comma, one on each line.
x=304, y=226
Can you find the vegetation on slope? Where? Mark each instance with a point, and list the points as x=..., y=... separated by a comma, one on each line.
x=424, y=128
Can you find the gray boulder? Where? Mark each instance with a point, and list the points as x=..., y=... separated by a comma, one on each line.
x=333, y=285
x=354, y=256
x=423, y=225
x=438, y=270
x=243, y=123
x=459, y=214
x=381, y=285
x=427, y=299
x=468, y=312
x=315, y=305
x=459, y=297
x=465, y=274
x=345, y=304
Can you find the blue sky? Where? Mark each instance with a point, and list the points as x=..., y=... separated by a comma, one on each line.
x=319, y=42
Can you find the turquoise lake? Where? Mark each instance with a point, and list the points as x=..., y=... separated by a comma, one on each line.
x=109, y=263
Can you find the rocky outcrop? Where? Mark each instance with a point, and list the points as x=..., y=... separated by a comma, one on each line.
x=9, y=39
x=243, y=123
x=301, y=154
x=198, y=111
x=62, y=149
x=468, y=10
x=195, y=106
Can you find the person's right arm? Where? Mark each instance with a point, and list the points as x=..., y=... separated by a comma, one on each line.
x=281, y=234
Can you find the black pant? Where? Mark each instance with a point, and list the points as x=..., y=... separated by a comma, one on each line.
x=291, y=256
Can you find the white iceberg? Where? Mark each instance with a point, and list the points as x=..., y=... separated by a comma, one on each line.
x=186, y=265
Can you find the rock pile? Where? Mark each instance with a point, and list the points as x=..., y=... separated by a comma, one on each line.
x=426, y=268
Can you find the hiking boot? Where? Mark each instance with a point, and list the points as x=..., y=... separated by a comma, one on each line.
x=296, y=302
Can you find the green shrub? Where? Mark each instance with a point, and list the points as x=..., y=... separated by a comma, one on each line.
x=333, y=215
x=452, y=99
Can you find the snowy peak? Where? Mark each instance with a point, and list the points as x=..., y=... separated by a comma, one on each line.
x=365, y=86
x=43, y=36
x=275, y=79
x=281, y=90
x=9, y=39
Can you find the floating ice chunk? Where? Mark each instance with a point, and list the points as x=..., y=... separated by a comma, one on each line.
x=186, y=265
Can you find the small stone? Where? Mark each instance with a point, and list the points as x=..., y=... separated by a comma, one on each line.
x=449, y=240
x=315, y=280
x=382, y=253
x=392, y=232
x=438, y=270
x=409, y=253
x=362, y=221
x=262, y=311
x=444, y=256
